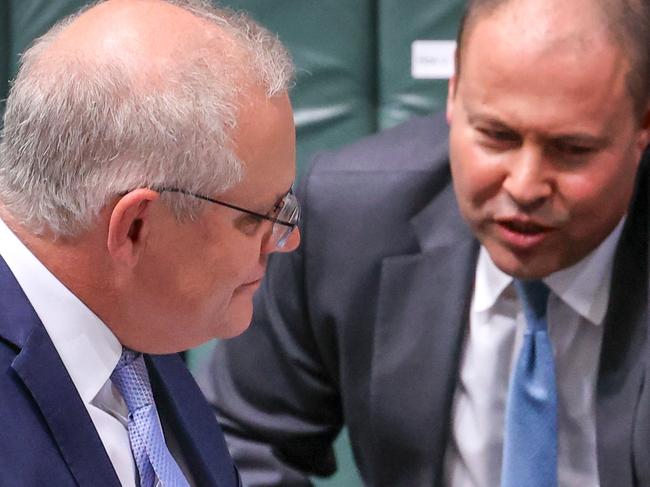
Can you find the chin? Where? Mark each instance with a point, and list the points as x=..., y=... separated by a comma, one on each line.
x=238, y=320
x=524, y=267
x=234, y=330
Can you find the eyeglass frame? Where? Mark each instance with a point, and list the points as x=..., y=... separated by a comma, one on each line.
x=280, y=242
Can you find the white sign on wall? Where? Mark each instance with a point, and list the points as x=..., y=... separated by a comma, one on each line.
x=432, y=59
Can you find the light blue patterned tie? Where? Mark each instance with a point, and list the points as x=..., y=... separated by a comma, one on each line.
x=145, y=433
x=530, y=440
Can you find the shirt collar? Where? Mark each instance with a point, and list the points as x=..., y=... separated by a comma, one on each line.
x=584, y=286
x=87, y=347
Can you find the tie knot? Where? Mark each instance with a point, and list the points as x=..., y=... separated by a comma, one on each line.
x=127, y=357
x=534, y=298
x=131, y=379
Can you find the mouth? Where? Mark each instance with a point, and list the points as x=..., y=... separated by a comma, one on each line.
x=255, y=283
x=524, y=225
x=522, y=234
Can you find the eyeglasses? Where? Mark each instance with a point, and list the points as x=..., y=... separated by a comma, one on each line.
x=284, y=222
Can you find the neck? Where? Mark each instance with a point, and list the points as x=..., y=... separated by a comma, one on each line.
x=81, y=264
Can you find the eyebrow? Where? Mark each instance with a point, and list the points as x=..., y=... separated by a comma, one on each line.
x=589, y=140
x=277, y=200
x=474, y=119
x=577, y=138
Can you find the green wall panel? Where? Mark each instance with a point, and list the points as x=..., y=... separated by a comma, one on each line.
x=333, y=46
x=399, y=24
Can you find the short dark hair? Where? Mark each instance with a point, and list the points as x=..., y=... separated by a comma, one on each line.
x=628, y=22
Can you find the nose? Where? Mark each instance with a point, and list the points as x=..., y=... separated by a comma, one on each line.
x=526, y=181
x=292, y=242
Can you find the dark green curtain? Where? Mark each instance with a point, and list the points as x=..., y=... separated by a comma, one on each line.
x=399, y=23
x=333, y=45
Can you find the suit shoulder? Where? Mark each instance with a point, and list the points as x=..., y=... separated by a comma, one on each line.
x=420, y=144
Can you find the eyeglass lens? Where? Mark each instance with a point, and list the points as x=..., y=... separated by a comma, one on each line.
x=290, y=213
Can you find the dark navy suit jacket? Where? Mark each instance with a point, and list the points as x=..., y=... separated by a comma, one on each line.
x=46, y=435
x=364, y=326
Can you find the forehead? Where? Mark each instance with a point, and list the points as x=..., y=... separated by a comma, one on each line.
x=529, y=57
x=264, y=140
x=546, y=19
x=531, y=27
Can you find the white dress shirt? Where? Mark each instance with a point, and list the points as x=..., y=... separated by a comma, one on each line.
x=576, y=309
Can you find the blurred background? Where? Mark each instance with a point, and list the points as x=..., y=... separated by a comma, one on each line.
x=362, y=66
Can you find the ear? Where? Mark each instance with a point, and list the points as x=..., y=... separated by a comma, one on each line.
x=451, y=95
x=129, y=225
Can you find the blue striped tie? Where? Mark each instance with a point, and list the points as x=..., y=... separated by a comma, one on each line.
x=145, y=433
x=530, y=440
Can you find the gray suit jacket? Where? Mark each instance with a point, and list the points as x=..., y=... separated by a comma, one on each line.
x=364, y=326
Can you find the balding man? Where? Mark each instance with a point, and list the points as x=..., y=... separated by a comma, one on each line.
x=512, y=354
x=145, y=176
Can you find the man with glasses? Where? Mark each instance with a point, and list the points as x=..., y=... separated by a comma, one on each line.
x=470, y=302
x=144, y=181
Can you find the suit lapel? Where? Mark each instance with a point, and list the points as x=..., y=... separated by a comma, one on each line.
x=421, y=318
x=40, y=368
x=193, y=423
x=621, y=372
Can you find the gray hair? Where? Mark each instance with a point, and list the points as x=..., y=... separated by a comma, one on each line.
x=77, y=132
